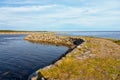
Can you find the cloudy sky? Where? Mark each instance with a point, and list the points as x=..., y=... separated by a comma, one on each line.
x=60, y=15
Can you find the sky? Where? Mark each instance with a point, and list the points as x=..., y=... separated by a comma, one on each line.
x=60, y=15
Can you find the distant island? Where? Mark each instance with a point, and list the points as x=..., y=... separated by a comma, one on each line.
x=18, y=32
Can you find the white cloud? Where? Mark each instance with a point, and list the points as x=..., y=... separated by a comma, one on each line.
x=56, y=15
x=19, y=1
x=26, y=8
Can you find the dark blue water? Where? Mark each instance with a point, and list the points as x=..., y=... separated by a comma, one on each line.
x=102, y=34
x=19, y=58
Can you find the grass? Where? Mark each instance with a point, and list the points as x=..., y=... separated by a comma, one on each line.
x=97, y=59
x=104, y=66
x=89, y=69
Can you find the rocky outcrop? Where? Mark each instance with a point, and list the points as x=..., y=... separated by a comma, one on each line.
x=52, y=38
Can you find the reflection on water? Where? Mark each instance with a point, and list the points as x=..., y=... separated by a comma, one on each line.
x=19, y=58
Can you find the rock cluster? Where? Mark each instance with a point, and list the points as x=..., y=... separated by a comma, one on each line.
x=52, y=38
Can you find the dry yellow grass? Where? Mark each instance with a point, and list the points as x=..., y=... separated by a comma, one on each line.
x=97, y=59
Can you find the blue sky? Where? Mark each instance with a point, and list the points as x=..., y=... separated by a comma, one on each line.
x=60, y=15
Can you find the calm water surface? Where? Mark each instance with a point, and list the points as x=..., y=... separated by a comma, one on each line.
x=19, y=58
x=102, y=34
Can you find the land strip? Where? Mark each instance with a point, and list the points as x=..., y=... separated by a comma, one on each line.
x=52, y=38
x=18, y=32
x=94, y=59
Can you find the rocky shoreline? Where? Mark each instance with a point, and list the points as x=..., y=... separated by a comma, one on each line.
x=52, y=38
x=36, y=75
x=85, y=54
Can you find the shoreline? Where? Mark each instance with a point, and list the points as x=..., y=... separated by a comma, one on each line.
x=16, y=33
x=81, y=50
x=53, y=39
x=35, y=75
x=73, y=44
x=91, y=48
